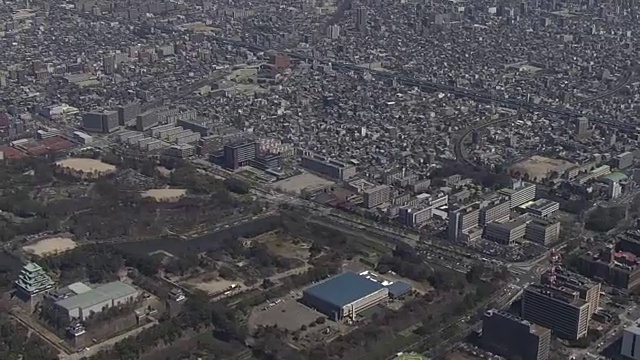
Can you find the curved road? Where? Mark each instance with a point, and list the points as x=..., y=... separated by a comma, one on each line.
x=459, y=143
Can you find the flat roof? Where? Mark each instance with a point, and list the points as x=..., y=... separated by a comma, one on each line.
x=343, y=289
x=106, y=292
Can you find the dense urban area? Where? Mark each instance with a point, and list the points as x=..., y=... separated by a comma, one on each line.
x=319, y=180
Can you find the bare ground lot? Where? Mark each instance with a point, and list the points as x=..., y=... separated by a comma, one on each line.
x=296, y=184
x=167, y=195
x=86, y=165
x=539, y=167
x=288, y=314
x=50, y=246
x=213, y=284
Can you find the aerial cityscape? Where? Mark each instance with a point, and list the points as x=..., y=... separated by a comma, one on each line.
x=319, y=180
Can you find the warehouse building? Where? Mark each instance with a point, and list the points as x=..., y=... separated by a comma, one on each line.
x=82, y=301
x=345, y=295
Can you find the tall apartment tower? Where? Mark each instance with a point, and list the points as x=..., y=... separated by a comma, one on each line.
x=582, y=126
x=512, y=337
x=361, y=19
x=560, y=310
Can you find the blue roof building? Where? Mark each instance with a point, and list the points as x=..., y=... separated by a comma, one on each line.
x=344, y=295
x=398, y=289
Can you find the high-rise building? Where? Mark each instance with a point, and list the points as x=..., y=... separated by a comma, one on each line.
x=582, y=126
x=146, y=120
x=333, y=31
x=560, y=310
x=521, y=192
x=361, y=19
x=630, y=348
x=587, y=289
x=240, y=154
x=461, y=220
x=496, y=209
x=100, y=121
x=376, y=196
x=109, y=63
x=512, y=337
x=128, y=112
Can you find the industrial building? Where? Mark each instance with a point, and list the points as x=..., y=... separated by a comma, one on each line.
x=512, y=337
x=82, y=301
x=561, y=310
x=375, y=196
x=521, y=192
x=100, y=121
x=631, y=342
x=345, y=295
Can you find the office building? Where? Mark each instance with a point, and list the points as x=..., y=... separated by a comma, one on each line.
x=85, y=301
x=512, y=337
x=376, y=196
x=127, y=113
x=521, y=192
x=82, y=138
x=542, y=231
x=109, y=64
x=345, y=295
x=506, y=233
x=541, y=207
x=240, y=154
x=329, y=167
x=630, y=348
x=146, y=120
x=497, y=209
x=588, y=290
x=102, y=122
x=461, y=220
x=560, y=310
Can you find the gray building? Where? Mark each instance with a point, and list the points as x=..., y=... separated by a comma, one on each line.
x=86, y=301
x=127, y=113
x=512, y=337
x=102, y=122
x=146, y=120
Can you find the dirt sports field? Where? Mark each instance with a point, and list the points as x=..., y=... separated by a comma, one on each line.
x=50, y=246
x=411, y=357
x=86, y=165
x=213, y=284
x=167, y=195
x=296, y=184
x=539, y=167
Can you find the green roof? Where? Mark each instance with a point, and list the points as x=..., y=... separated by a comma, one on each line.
x=106, y=292
x=616, y=177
